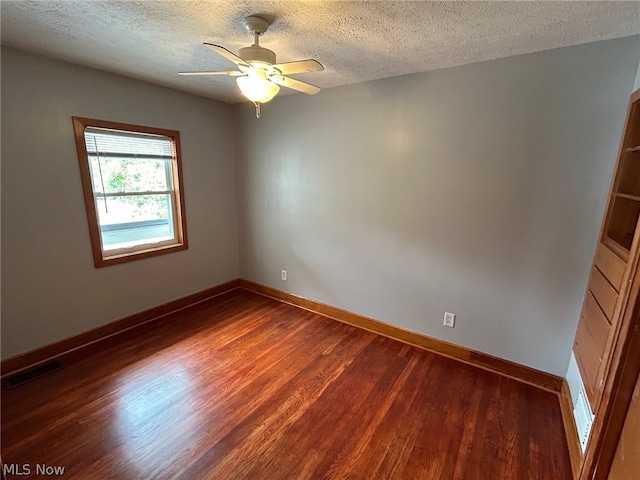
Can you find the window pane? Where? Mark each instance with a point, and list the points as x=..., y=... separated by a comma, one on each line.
x=113, y=175
x=127, y=221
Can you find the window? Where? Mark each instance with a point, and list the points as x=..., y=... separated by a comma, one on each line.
x=132, y=181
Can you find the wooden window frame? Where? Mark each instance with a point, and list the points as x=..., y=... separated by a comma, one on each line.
x=100, y=257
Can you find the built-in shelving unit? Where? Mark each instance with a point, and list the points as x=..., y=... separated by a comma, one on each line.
x=614, y=265
x=625, y=211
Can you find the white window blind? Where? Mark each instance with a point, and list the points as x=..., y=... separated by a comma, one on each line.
x=128, y=144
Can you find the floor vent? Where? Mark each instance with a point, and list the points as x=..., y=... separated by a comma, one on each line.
x=32, y=374
x=584, y=417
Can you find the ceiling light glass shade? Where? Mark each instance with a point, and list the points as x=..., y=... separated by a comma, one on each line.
x=257, y=89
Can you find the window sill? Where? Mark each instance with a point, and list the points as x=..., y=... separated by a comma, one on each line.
x=105, y=261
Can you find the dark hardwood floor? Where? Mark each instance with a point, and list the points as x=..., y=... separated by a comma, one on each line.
x=242, y=386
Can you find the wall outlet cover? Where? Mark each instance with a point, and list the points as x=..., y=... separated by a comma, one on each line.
x=449, y=319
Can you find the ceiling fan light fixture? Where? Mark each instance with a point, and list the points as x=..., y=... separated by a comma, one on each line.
x=257, y=89
x=259, y=77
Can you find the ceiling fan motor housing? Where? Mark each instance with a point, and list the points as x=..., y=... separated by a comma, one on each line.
x=256, y=53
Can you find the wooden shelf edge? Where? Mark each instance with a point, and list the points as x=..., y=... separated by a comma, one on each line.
x=634, y=198
x=616, y=248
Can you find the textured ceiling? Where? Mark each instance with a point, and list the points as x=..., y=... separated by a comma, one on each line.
x=355, y=41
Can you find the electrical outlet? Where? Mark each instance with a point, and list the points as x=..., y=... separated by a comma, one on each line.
x=283, y=275
x=449, y=319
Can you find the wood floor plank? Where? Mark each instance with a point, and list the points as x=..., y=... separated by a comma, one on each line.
x=378, y=414
x=245, y=387
x=251, y=439
x=469, y=425
x=384, y=441
x=329, y=421
x=341, y=458
x=395, y=462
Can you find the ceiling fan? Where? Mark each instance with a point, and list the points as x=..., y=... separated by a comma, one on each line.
x=259, y=76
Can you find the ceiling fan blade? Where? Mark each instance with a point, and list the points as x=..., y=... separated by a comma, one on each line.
x=231, y=73
x=301, y=66
x=227, y=54
x=295, y=84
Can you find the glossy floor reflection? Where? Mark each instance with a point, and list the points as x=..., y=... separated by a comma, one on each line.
x=242, y=386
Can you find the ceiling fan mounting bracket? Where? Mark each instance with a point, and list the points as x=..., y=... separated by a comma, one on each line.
x=256, y=25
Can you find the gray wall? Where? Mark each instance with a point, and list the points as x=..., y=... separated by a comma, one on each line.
x=477, y=190
x=50, y=288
